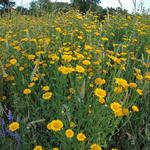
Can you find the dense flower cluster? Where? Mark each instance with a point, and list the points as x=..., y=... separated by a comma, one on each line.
x=71, y=79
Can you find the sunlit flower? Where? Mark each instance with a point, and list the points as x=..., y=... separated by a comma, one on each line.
x=147, y=76
x=100, y=92
x=122, y=82
x=72, y=124
x=95, y=147
x=47, y=95
x=86, y=62
x=38, y=147
x=139, y=77
x=65, y=70
x=67, y=58
x=21, y=68
x=100, y=81
x=135, y=108
x=31, y=57
x=26, y=91
x=132, y=85
x=104, y=39
x=101, y=100
x=13, y=126
x=55, y=148
x=125, y=111
x=45, y=88
x=88, y=47
x=81, y=137
x=118, y=110
x=69, y=133
x=31, y=84
x=80, y=69
x=139, y=91
x=58, y=29
x=13, y=61
x=115, y=106
x=55, y=125
x=118, y=89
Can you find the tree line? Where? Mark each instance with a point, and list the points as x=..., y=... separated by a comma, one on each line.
x=39, y=7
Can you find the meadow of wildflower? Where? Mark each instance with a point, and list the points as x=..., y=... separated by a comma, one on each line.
x=72, y=82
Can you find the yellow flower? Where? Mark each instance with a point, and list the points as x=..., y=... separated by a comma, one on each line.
x=95, y=147
x=31, y=57
x=100, y=81
x=104, y=39
x=81, y=137
x=79, y=17
x=47, y=95
x=58, y=29
x=55, y=148
x=67, y=58
x=55, y=125
x=4, y=97
x=79, y=56
x=91, y=74
x=72, y=124
x=117, y=109
x=139, y=91
x=115, y=106
x=100, y=92
x=80, y=69
x=88, y=47
x=122, y=82
x=91, y=85
x=101, y=100
x=31, y=84
x=34, y=78
x=118, y=90
x=66, y=49
x=135, y=108
x=13, y=61
x=139, y=77
x=54, y=57
x=122, y=67
x=38, y=147
x=45, y=88
x=10, y=78
x=132, y=85
x=65, y=70
x=116, y=60
x=14, y=126
x=21, y=68
x=26, y=91
x=147, y=76
x=119, y=113
x=86, y=62
x=80, y=37
x=69, y=133
x=125, y=111
x=148, y=52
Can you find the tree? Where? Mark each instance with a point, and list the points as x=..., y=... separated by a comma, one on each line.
x=4, y=2
x=45, y=5
x=21, y=10
x=38, y=7
x=6, y=6
x=85, y=5
x=60, y=6
x=34, y=9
